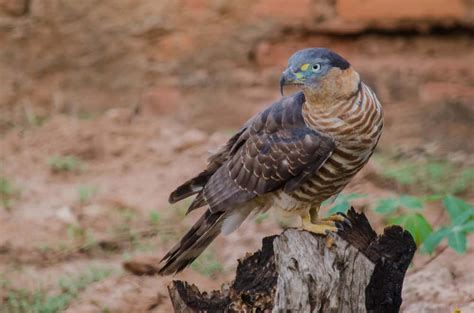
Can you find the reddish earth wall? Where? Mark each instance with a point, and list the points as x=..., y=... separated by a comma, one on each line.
x=75, y=56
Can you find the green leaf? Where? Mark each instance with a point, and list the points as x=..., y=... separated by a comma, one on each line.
x=431, y=198
x=386, y=206
x=464, y=217
x=404, y=175
x=418, y=226
x=433, y=240
x=463, y=181
x=437, y=170
x=343, y=198
x=397, y=220
x=6, y=188
x=155, y=217
x=455, y=206
x=457, y=240
x=341, y=203
x=341, y=207
x=468, y=227
x=326, y=202
x=353, y=196
x=411, y=202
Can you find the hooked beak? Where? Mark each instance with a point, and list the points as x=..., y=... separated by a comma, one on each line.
x=288, y=77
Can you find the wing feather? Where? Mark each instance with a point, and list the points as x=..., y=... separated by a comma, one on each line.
x=286, y=159
x=277, y=150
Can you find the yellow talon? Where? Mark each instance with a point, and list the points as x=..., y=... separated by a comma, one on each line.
x=321, y=227
x=334, y=218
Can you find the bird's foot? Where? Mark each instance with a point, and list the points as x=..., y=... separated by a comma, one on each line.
x=326, y=225
x=320, y=228
x=339, y=220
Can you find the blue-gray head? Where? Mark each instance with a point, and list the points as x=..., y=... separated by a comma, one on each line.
x=308, y=67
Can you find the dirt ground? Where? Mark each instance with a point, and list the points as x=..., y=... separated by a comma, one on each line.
x=133, y=162
x=138, y=104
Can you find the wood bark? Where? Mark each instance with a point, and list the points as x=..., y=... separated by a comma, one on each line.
x=351, y=271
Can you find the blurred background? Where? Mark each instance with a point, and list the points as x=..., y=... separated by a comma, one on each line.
x=106, y=106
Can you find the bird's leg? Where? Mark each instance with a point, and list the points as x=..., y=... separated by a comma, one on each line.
x=311, y=223
x=313, y=213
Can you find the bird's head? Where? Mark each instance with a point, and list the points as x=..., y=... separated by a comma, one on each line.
x=319, y=72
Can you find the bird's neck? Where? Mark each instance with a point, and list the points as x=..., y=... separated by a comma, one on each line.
x=337, y=86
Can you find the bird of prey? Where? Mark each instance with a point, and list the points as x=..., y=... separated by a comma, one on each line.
x=298, y=152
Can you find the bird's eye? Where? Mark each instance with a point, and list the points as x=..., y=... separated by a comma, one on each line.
x=316, y=67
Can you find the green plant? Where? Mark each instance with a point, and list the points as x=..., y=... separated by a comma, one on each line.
x=389, y=205
x=81, y=236
x=407, y=211
x=126, y=227
x=127, y=214
x=207, y=264
x=416, y=224
x=461, y=215
x=35, y=119
x=86, y=192
x=65, y=163
x=464, y=180
x=41, y=301
x=86, y=115
x=144, y=247
x=341, y=203
x=155, y=218
x=261, y=217
x=44, y=248
x=7, y=192
x=427, y=175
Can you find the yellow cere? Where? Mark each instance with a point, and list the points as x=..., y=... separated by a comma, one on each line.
x=299, y=75
x=304, y=67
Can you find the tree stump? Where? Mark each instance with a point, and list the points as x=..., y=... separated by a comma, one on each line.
x=351, y=271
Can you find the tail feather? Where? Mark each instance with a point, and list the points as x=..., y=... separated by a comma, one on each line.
x=193, y=243
x=198, y=202
x=190, y=187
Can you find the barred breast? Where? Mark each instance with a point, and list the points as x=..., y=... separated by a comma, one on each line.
x=356, y=125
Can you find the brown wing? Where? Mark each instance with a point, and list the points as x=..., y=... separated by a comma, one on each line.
x=265, y=163
x=283, y=159
x=276, y=151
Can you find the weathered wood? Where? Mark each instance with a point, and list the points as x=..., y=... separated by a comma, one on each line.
x=353, y=271
x=315, y=278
